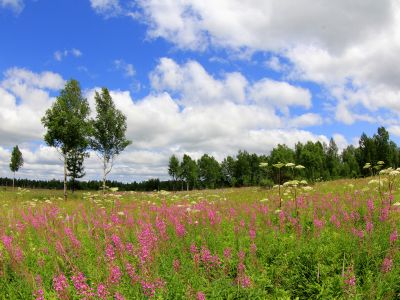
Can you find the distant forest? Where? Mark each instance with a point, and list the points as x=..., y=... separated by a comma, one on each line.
x=321, y=161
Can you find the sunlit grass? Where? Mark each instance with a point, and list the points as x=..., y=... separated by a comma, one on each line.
x=339, y=240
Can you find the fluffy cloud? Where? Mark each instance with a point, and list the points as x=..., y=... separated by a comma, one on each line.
x=264, y=24
x=305, y=120
x=171, y=119
x=195, y=86
x=349, y=48
x=108, y=8
x=24, y=98
x=280, y=94
x=15, y=5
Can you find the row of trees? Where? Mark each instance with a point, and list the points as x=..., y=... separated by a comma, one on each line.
x=91, y=185
x=321, y=162
x=71, y=131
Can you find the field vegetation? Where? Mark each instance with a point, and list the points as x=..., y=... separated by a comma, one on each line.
x=332, y=240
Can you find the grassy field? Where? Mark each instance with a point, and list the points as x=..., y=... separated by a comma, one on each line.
x=338, y=240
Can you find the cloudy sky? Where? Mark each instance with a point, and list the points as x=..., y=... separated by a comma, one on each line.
x=195, y=76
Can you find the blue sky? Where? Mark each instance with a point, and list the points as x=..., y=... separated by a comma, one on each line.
x=200, y=76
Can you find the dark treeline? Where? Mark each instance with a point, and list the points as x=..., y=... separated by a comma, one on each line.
x=92, y=185
x=321, y=161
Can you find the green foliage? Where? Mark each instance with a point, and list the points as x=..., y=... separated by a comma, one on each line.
x=75, y=168
x=287, y=257
x=109, y=131
x=109, y=127
x=17, y=160
x=190, y=171
x=174, y=168
x=67, y=121
x=209, y=171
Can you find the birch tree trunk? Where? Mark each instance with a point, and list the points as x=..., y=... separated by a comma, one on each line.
x=65, y=177
x=104, y=175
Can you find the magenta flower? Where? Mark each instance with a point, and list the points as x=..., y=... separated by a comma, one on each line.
x=369, y=227
x=102, y=291
x=201, y=296
x=110, y=252
x=118, y=296
x=393, y=236
x=60, y=283
x=177, y=265
x=387, y=265
x=115, y=275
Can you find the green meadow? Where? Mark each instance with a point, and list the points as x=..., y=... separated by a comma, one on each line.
x=337, y=240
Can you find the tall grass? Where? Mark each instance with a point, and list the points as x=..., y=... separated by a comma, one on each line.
x=341, y=243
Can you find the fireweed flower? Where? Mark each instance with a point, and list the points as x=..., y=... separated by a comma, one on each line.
x=369, y=227
x=110, y=252
x=227, y=253
x=201, y=296
x=117, y=242
x=60, y=283
x=350, y=278
x=177, y=265
x=39, y=294
x=82, y=288
x=102, y=291
x=118, y=296
x=115, y=275
x=387, y=265
x=7, y=241
x=393, y=236
x=131, y=272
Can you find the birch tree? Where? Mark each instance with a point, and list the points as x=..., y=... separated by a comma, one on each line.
x=67, y=123
x=109, y=132
x=17, y=161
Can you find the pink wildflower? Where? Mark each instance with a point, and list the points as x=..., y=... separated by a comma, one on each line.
x=117, y=242
x=177, y=265
x=369, y=227
x=102, y=291
x=60, y=283
x=150, y=288
x=350, y=278
x=129, y=248
x=7, y=240
x=393, y=236
x=110, y=253
x=39, y=294
x=82, y=288
x=193, y=249
x=370, y=205
x=131, y=272
x=180, y=229
x=252, y=234
x=201, y=296
x=227, y=253
x=387, y=265
x=115, y=275
x=118, y=296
